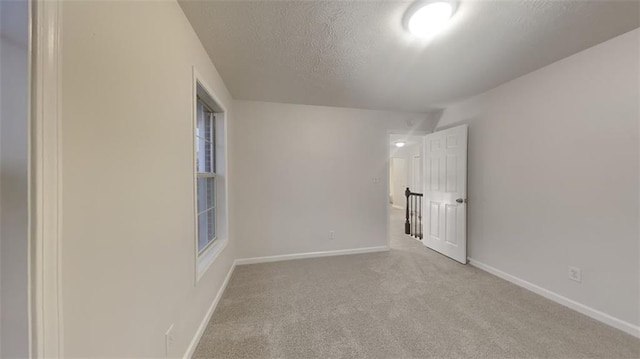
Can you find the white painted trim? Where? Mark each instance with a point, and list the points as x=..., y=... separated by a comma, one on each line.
x=206, y=259
x=45, y=188
x=572, y=304
x=397, y=207
x=203, y=325
x=31, y=245
x=286, y=257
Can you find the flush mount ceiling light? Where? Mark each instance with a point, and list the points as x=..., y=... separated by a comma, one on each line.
x=427, y=18
x=400, y=144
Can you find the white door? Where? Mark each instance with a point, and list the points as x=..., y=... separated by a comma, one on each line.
x=445, y=192
x=399, y=182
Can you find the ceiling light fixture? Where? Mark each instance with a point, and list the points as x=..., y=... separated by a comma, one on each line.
x=427, y=18
x=400, y=144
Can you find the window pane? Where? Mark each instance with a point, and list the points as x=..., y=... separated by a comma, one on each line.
x=203, y=127
x=206, y=193
x=199, y=119
x=207, y=125
x=213, y=143
x=206, y=228
x=202, y=231
x=205, y=136
x=211, y=222
x=204, y=155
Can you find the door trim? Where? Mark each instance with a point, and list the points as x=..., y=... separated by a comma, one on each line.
x=45, y=187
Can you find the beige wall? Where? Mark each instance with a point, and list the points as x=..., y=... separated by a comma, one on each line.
x=128, y=223
x=553, y=176
x=302, y=171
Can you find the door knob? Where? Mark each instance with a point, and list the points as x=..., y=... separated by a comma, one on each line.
x=460, y=200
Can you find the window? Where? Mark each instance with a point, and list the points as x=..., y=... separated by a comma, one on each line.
x=210, y=180
x=206, y=174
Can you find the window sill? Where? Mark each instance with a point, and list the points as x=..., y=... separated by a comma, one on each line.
x=204, y=261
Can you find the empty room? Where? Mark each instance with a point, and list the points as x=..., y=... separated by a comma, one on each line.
x=320, y=179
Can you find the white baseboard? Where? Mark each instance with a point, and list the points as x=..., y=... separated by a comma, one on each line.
x=286, y=257
x=207, y=317
x=578, y=307
x=397, y=207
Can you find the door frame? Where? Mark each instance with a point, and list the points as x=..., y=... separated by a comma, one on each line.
x=388, y=172
x=45, y=181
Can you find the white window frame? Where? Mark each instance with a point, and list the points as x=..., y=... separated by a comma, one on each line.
x=204, y=258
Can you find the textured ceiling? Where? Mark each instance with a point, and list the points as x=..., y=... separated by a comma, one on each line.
x=357, y=54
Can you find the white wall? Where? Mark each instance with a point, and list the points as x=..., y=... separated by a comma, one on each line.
x=14, y=20
x=128, y=207
x=553, y=176
x=302, y=171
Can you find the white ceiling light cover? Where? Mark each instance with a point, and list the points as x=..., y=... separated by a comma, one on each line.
x=427, y=19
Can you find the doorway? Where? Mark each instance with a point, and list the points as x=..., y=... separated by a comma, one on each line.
x=405, y=172
x=433, y=169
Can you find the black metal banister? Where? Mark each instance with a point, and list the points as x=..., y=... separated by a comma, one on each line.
x=413, y=214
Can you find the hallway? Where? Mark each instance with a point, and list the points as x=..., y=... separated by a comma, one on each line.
x=399, y=240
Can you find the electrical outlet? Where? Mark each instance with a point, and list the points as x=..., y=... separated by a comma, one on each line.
x=169, y=340
x=331, y=235
x=575, y=274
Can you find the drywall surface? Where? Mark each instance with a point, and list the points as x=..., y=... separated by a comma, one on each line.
x=14, y=76
x=553, y=176
x=303, y=171
x=128, y=231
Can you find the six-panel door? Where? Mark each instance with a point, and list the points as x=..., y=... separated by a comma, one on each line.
x=445, y=176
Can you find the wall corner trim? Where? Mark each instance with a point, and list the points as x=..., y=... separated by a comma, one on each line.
x=207, y=317
x=602, y=317
x=45, y=187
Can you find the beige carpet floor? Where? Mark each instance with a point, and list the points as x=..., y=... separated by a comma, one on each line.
x=409, y=302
